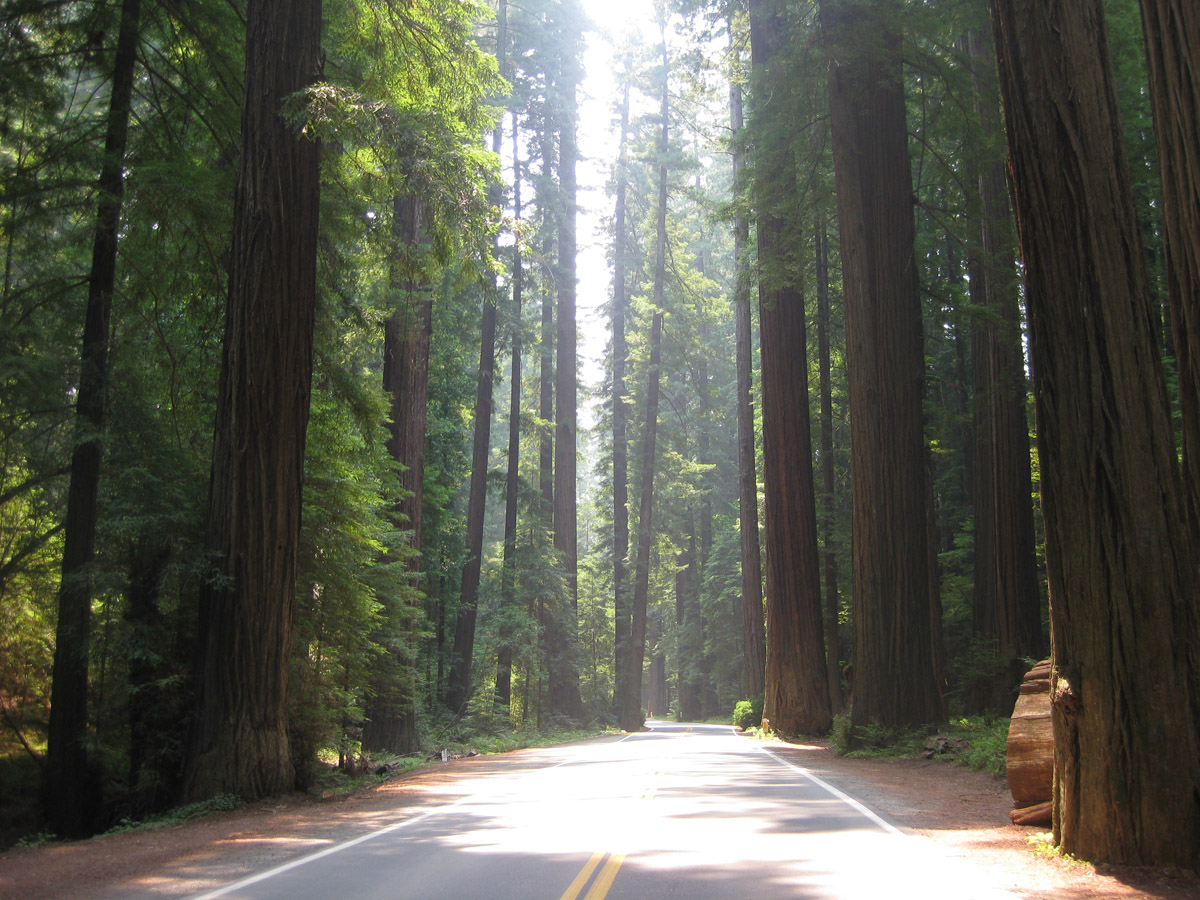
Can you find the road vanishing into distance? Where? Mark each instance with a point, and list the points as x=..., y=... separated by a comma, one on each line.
x=693, y=812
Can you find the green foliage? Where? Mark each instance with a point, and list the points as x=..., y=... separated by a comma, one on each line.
x=748, y=713
x=180, y=814
x=874, y=740
x=977, y=743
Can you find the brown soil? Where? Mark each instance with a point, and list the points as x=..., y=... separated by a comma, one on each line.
x=965, y=810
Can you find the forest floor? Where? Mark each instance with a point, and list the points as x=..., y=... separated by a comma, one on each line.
x=964, y=810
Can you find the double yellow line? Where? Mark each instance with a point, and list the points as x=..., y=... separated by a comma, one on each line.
x=603, y=881
x=600, y=887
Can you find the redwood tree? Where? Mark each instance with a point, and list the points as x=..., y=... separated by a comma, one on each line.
x=894, y=681
x=1007, y=602
x=753, y=634
x=797, y=693
x=1120, y=561
x=620, y=476
x=239, y=742
x=564, y=698
x=1172, y=33
x=391, y=709
x=66, y=772
x=631, y=711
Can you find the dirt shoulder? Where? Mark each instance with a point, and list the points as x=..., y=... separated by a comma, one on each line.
x=965, y=811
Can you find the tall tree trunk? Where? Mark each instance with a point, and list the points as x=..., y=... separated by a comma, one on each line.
x=1120, y=561
x=458, y=687
x=65, y=785
x=631, y=712
x=553, y=635
x=833, y=665
x=240, y=741
x=620, y=350
x=753, y=634
x=894, y=680
x=391, y=707
x=1172, y=33
x=508, y=599
x=458, y=690
x=564, y=678
x=796, y=696
x=1007, y=600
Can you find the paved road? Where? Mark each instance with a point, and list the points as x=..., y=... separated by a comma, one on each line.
x=690, y=812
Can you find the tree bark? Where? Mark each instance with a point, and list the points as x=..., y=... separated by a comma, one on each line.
x=753, y=634
x=1172, y=33
x=458, y=687
x=894, y=681
x=796, y=691
x=564, y=697
x=239, y=743
x=631, y=712
x=620, y=351
x=512, y=480
x=1007, y=601
x=833, y=663
x=391, y=708
x=1119, y=558
x=65, y=785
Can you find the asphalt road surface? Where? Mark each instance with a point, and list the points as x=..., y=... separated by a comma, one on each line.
x=694, y=812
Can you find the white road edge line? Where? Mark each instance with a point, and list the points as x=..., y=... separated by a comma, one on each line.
x=353, y=842
x=844, y=797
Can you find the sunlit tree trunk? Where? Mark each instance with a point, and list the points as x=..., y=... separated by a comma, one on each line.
x=796, y=691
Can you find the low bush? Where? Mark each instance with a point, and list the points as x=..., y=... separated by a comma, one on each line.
x=748, y=713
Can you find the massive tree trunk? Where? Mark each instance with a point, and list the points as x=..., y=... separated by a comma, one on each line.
x=65, y=786
x=753, y=636
x=240, y=741
x=1007, y=600
x=391, y=708
x=833, y=664
x=564, y=696
x=796, y=691
x=512, y=480
x=1172, y=32
x=894, y=681
x=620, y=350
x=1119, y=559
x=631, y=712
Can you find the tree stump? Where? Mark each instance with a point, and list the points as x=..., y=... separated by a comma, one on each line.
x=1030, y=750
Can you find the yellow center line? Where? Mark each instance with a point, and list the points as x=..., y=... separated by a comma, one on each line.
x=582, y=878
x=599, y=889
x=605, y=879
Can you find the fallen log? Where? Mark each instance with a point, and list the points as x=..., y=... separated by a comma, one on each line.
x=1040, y=814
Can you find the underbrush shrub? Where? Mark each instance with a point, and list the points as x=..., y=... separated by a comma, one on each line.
x=748, y=713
